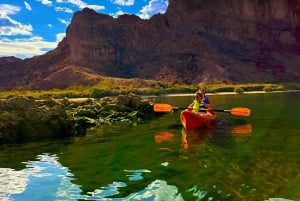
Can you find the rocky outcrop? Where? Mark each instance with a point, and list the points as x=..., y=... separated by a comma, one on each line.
x=194, y=41
x=23, y=118
x=27, y=119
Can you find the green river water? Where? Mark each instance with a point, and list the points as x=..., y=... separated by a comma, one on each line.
x=252, y=158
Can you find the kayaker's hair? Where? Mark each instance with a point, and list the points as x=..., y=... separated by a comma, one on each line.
x=198, y=94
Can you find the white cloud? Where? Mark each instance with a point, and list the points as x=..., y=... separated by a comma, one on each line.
x=9, y=26
x=46, y=2
x=6, y=9
x=64, y=9
x=27, y=47
x=63, y=21
x=118, y=13
x=81, y=4
x=154, y=7
x=15, y=28
x=60, y=36
x=123, y=2
x=27, y=6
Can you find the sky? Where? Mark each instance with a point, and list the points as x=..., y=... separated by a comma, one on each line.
x=34, y=27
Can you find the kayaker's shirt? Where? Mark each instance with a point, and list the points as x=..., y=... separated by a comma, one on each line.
x=205, y=100
x=197, y=106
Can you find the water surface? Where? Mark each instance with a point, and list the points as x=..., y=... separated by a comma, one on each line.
x=241, y=158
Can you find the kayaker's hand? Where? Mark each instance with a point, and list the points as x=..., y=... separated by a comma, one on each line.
x=208, y=106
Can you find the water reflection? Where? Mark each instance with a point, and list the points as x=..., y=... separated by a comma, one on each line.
x=242, y=130
x=197, y=137
x=189, y=138
x=47, y=179
x=44, y=179
x=136, y=174
x=164, y=136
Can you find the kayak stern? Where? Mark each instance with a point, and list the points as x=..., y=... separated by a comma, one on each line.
x=192, y=120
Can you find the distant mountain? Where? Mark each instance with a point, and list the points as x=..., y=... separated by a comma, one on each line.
x=194, y=41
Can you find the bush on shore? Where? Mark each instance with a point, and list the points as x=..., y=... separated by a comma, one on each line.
x=144, y=88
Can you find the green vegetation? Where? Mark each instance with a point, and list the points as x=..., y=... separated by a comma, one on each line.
x=240, y=88
x=144, y=87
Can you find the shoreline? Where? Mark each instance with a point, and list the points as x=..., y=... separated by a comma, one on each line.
x=188, y=94
x=227, y=93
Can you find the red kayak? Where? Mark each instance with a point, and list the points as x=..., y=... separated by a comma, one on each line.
x=192, y=120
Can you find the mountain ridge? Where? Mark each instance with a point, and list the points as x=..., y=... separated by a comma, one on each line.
x=195, y=41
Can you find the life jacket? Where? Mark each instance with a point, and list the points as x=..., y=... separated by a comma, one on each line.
x=197, y=106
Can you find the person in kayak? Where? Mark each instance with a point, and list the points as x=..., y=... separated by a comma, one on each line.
x=205, y=97
x=198, y=103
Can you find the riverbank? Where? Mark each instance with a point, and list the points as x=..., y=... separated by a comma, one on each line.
x=144, y=88
x=225, y=93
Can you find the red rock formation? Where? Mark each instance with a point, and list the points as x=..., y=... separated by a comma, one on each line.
x=194, y=41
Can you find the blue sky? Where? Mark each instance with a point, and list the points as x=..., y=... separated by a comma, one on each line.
x=33, y=27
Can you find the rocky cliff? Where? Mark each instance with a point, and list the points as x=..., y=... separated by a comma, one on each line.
x=194, y=41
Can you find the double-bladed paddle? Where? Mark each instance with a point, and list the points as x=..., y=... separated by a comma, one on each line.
x=240, y=111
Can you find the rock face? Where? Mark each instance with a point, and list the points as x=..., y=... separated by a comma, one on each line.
x=194, y=41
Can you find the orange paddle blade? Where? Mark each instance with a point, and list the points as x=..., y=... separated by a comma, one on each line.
x=241, y=111
x=162, y=107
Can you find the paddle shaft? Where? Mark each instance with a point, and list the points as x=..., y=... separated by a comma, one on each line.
x=201, y=109
x=219, y=110
x=241, y=111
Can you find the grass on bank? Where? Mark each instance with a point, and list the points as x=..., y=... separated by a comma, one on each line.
x=142, y=87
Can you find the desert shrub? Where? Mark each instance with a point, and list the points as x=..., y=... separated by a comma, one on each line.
x=225, y=89
x=98, y=93
x=268, y=88
x=256, y=87
x=239, y=90
x=292, y=86
x=273, y=87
